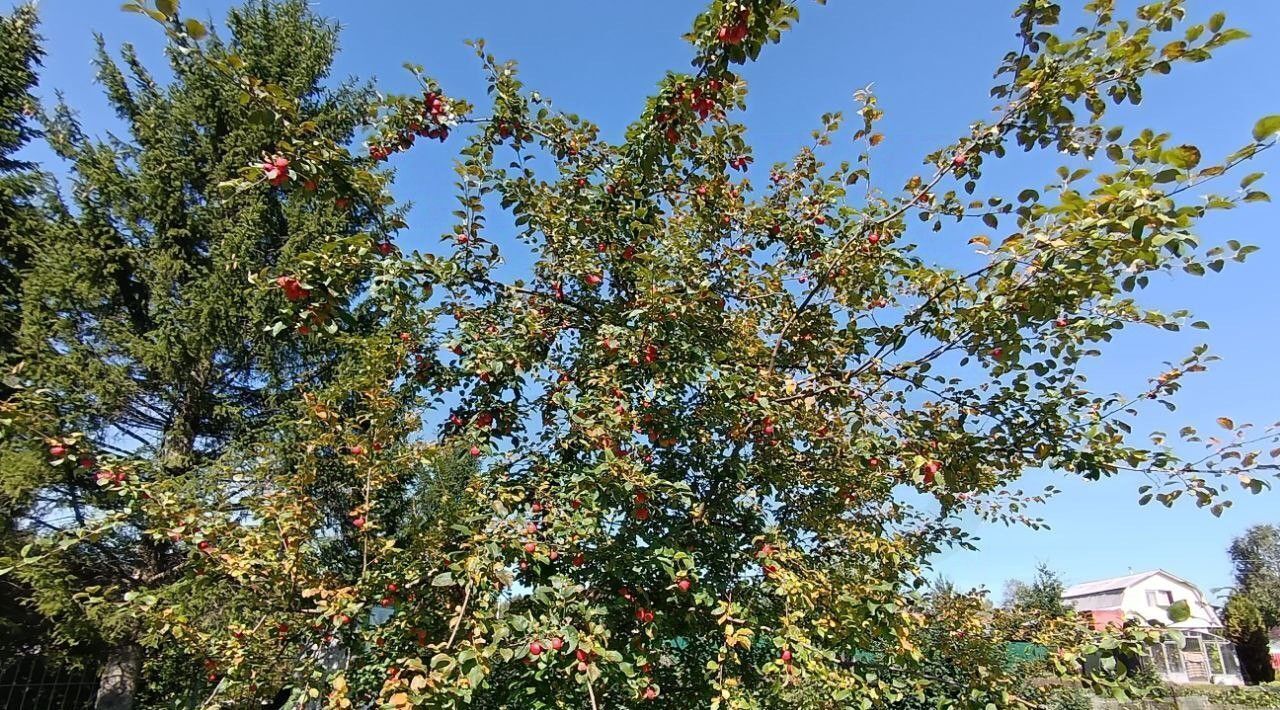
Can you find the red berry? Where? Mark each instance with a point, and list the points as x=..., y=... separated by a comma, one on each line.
x=358, y=521
x=684, y=585
x=292, y=288
x=276, y=170
x=786, y=655
x=57, y=451
x=557, y=643
x=873, y=238
x=535, y=649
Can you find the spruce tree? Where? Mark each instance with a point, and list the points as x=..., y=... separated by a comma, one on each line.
x=22, y=222
x=21, y=186
x=145, y=352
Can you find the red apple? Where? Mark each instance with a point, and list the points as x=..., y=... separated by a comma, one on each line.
x=276, y=170
x=535, y=649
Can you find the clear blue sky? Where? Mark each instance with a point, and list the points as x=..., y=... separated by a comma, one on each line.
x=930, y=62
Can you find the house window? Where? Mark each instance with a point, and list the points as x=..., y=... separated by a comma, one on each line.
x=1159, y=597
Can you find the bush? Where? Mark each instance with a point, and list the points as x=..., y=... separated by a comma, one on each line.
x=1069, y=699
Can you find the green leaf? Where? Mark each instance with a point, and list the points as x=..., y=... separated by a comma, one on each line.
x=1226, y=423
x=195, y=29
x=168, y=7
x=1266, y=127
x=1184, y=156
x=1179, y=611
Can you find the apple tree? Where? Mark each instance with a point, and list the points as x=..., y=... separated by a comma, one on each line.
x=703, y=451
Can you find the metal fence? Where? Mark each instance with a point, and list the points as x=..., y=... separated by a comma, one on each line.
x=29, y=682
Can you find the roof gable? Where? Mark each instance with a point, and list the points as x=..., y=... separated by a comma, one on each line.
x=1116, y=584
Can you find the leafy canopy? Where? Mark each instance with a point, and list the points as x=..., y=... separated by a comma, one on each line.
x=703, y=451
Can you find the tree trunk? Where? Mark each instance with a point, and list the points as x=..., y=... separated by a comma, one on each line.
x=118, y=684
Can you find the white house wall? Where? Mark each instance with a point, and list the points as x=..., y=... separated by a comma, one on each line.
x=1135, y=602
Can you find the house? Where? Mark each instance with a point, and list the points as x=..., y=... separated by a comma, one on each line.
x=1158, y=598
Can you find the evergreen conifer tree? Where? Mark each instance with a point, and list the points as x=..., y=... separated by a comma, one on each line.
x=139, y=330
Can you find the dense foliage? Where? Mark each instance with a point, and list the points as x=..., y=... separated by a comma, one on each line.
x=1043, y=594
x=700, y=454
x=1253, y=608
x=22, y=195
